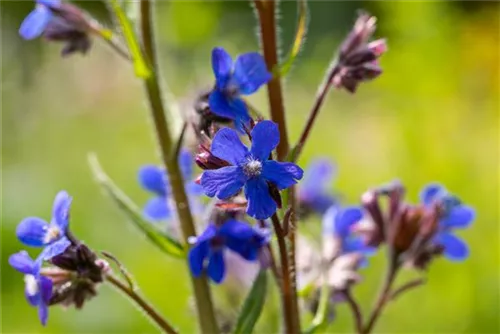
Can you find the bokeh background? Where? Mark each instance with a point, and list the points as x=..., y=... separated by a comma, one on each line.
x=432, y=116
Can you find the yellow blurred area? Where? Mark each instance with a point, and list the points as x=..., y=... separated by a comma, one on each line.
x=431, y=116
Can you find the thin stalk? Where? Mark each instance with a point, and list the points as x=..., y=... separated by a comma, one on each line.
x=356, y=311
x=286, y=283
x=142, y=303
x=204, y=305
x=384, y=296
x=323, y=90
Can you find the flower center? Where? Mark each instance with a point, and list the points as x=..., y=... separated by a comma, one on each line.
x=31, y=285
x=53, y=233
x=252, y=168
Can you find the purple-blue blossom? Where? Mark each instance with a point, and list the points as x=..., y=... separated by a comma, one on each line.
x=250, y=169
x=313, y=190
x=155, y=180
x=38, y=19
x=244, y=77
x=36, y=232
x=207, y=253
x=455, y=216
x=38, y=288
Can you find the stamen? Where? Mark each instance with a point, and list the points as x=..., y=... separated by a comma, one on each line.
x=31, y=285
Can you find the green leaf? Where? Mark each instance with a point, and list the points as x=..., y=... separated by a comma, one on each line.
x=162, y=240
x=298, y=42
x=253, y=305
x=321, y=316
x=141, y=68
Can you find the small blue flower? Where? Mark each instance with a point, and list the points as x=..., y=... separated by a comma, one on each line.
x=250, y=169
x=313, y=190
x=38, y=288
x=154, y=179
x=340, y=222
x=36, y=232
x=207, y=252
x=455, y=216
x=35, y=23
x=244, y=77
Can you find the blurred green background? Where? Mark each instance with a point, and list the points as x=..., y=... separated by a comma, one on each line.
x=432, y=116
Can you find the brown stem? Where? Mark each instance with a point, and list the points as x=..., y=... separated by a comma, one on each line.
x=406, y=287
x=323, y=90
x=142, y=303
x=383, y=297
x=266, y=10
x=356, y=311
x=204, y=305
x=286, y=286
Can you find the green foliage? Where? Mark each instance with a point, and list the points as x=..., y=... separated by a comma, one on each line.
x=253, y=306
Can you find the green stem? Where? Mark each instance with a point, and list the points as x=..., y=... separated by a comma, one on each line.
x=142, y=303
x=204, y=305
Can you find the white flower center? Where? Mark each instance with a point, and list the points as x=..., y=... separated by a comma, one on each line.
x=31, y=285
x=252, y=168
x=53, y=233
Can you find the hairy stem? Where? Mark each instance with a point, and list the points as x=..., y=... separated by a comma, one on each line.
x=286, y=283
x=142, y=303
x=323, y=90
x=383, y=296
x=204, y=305
x=356, y=311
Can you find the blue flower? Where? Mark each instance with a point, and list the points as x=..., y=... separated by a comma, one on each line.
x=35, y=23
x=250, y=169
x=38, y=288
x=154, y=179
x=244, y=77
x=455, y=216
x=207, y=252
x=339, y=222
x=36, y=232
x=313, y=190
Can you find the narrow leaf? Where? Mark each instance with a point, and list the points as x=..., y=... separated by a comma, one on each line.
x=253, y=305
x=140, y=67
x=162, y=240
x=298, y=42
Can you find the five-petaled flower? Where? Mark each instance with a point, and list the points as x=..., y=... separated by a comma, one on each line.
x=154, y=179
x=36, y=232
x=455, y=216
x=208, y=250
x=250, y=169
x=313, y=190
x=244, y=77
x=38, y=288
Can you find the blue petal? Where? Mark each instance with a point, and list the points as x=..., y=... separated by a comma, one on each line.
x=282, y=174
x=45, y=286
x=429, y=193
x=196, y=258
x=228, y=146
x=250, y=72
x=153, y=178
x=186, y=164
x=36, y=21
x=55, y=248
x=229, y=107
x=35, y=299
x=317, y=178
x=43, y=313
x=454, y=248
x=260, y=203
x=60, y=210
x=22, y=262
x=458, y=217
x=328, y=220
x=157, y=208
x=208, y=234
x=222, y=65
x=223, y=182
x=344, y=220
x=193, y=188
x=216, y=269
x=353, y=244
x=236, y=229
x=32, y=231
x=265, y=138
